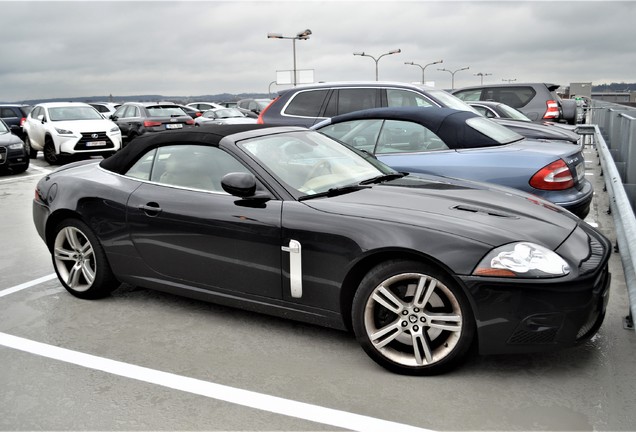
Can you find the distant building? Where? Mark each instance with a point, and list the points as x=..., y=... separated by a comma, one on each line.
x=615, y=97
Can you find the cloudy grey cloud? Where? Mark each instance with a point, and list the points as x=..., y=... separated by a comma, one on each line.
x=74, y=49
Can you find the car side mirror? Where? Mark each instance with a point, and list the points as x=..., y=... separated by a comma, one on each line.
x=113, y=117
x=242, y=185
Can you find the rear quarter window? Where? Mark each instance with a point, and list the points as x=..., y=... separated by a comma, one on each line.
x=306, y=103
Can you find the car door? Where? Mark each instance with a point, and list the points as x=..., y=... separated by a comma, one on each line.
x=35, y=127
x=187, y=230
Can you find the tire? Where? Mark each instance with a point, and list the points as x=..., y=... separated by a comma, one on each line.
x=406, y=335
x=33, y=153
x=80, y=262
x=49, y=153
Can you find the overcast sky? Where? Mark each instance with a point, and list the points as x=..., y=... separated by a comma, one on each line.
x=183, y=48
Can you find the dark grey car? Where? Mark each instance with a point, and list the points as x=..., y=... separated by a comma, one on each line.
x=137, y=118
x=311, y=104
x=536, y=100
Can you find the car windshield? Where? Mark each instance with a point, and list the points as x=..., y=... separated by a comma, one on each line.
x=495, y=131
x=228, y=113
x=3, y=127
x=311, y=163
x=451, y=101
x=513, y=113
x=74, y=113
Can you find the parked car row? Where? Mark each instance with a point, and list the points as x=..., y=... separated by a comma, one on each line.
x=396, y=211
x=421, y=140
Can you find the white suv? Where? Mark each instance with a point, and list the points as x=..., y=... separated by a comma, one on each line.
x=69, y=128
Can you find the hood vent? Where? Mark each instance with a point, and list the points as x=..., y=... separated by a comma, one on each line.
x=489, y=212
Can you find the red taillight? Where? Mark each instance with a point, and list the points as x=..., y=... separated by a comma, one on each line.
x=190, y=122
x=22, y=120
x=556, y=176
x=260, y=116
x=198, y=114
x=552, y=110
x=150, y=123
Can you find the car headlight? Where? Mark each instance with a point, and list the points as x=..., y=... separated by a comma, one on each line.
x=61, y=131
x=115, y=129
x=522, y=260
x=16, y=146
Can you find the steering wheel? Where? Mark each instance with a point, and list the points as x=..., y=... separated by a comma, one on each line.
x=320, y=168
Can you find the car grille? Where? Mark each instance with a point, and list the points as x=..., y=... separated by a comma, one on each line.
x=87, y=137
x=3, y=155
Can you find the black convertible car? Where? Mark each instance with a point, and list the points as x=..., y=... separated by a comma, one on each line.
x=289, y=222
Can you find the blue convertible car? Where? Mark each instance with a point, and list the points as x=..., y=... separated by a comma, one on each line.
x=462, y=144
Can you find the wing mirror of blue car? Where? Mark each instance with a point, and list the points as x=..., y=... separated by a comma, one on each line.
x=243, y=185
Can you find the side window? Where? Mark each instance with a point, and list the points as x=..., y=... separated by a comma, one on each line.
x=486, y=112
x=7, y=113
x=143, y=167
x=194, y=167
x=132, y=111
x=406, y=98
x=361, y=134
x=119, y=112
x=38, y=114
x=350, y=100
x=407, y=137
x=470, y=95
x=306, y=103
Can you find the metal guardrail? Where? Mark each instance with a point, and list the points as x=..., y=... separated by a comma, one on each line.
x=618, y=160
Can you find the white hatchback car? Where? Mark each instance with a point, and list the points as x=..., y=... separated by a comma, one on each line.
x=69, y=128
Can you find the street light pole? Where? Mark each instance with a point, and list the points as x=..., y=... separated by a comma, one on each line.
x=453, y=74
x=482, y=75
x=424, y=67
x=304, y=35
x=397, y=51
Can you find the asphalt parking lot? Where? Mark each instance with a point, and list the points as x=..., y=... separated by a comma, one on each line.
x=144, y=360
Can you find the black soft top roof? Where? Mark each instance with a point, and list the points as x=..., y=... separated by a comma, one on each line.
x=209, y=135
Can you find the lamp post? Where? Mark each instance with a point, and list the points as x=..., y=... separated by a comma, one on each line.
x=397, y=51
x=303, y=35
x=482, y=75
x=453, y=74
x=424, y=67
x=509, y=80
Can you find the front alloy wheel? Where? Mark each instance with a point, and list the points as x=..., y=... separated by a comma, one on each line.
x=412, y=319
x=80, y=262
x=50, y=155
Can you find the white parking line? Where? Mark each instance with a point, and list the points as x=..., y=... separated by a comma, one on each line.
x=26, y=285
x=260, y=401
x=41, y=169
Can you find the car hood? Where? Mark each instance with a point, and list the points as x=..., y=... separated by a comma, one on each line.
x=7, y=138
x=482, y=212
x=85, y=125
x=539, y=131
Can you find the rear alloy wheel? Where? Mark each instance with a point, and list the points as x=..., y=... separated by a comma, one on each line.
x=80, y=262
x=33, y=153
x=412, y=318
x=49, y=153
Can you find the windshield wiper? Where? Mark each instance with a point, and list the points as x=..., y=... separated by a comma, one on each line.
x=334, y=192
x=383, y=178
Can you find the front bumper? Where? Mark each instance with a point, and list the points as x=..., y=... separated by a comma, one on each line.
x=12, y=158
x=89, y=142
x=521, y=315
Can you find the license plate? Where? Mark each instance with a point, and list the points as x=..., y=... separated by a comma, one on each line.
x=580, y=171
x=95, y=143
x=174, y=126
